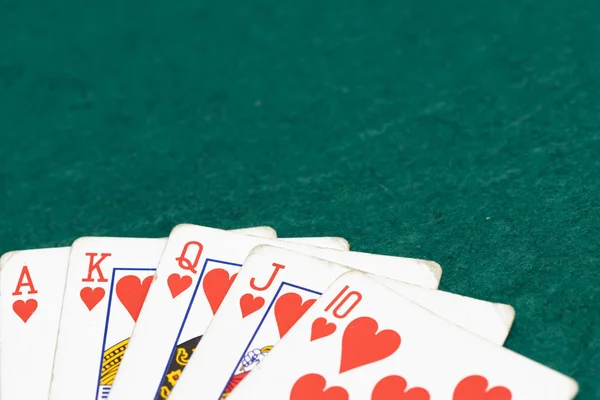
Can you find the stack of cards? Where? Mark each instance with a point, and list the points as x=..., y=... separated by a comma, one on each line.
x=212, y=314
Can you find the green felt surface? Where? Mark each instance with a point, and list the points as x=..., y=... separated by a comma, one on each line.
x=466, y=132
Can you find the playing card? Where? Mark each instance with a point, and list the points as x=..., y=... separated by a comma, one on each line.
x=197, y=268
x=107, y=281
x=238, y=337
x=31, y=286
x=361, y=340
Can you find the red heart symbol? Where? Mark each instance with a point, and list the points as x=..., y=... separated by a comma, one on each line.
x=132, y=293
x=177, y=284
x=321, y=328
x=361, y=344
x=474, y=387
x=288, y=310
x=91, y=297
x=312, y=386
x=24, y=309
x=393, y=387
x=216, y=284
x=250, y=304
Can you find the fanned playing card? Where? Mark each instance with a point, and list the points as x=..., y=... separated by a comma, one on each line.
x=362, y=340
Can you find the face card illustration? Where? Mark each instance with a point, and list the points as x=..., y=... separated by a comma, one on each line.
x=107, y=282
x=361, y=340
x=129, y=287
x=197, y=269
x=32, y=284
x=240, y=337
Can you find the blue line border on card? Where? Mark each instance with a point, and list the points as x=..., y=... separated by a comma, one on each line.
x=187, y=313
x=281, y=286
x=110, y=297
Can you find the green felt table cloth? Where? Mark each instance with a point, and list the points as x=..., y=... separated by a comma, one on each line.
x=466, y=132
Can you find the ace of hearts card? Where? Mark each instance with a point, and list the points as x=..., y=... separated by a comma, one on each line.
x=31, y=285
x=197, y=268
x=361, y=340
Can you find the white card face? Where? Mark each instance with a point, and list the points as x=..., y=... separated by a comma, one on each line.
x=107, y=282
x=235, y=343
x=32, y=283
x=361, y=340
x=196, y=270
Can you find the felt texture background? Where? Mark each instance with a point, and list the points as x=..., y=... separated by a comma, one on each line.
x=466, y=132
